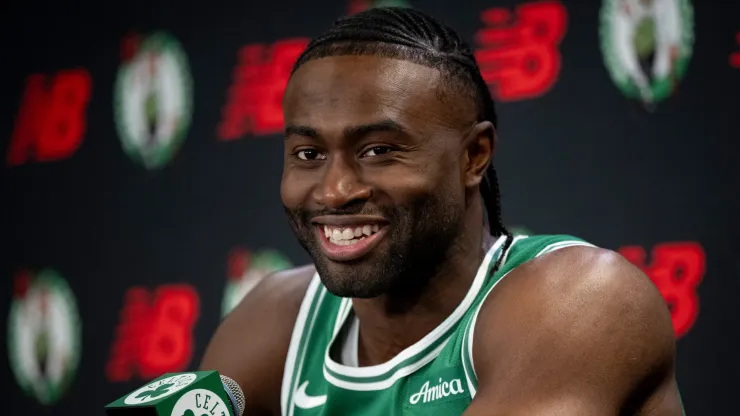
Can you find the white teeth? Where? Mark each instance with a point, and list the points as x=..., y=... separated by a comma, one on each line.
x=344, y=242
x=349, y=236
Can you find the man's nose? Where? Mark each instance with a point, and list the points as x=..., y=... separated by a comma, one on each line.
x=342, y=184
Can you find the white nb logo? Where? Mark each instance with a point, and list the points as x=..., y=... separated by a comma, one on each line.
x=304, y=401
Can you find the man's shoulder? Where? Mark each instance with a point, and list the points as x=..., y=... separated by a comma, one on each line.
x=270, y=308
x=278, y=291
x=577, y=267
x=523, y=248
x=291, y=282
x=576, y=270
x=579, y=330
x=251, y=344
x=580, y=303
x=538, y=244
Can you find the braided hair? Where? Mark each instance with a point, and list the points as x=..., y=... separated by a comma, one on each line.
x=410, y=35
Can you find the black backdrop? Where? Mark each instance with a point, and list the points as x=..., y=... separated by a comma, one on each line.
x=151, y=249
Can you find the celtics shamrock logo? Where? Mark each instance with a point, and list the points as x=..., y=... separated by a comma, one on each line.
x=200, y=402
x=191, y=413
x=160, y=389
x=153, y=394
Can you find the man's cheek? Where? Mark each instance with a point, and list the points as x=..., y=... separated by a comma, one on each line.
x=295, y=188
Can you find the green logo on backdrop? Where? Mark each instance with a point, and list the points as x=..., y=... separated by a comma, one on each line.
x=44, y=333
x=390, y=3
x=520, y=230
x=647, y=45
x=246, y=270
x=358, y=6
x=154, y=100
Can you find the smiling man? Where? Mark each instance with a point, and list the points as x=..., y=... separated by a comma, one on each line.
x=419, y=301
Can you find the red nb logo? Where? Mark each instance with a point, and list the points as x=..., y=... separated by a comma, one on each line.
x=519, y=56
x=51, y=120
x=255, y=98
x=676, y=269
x=735, y=56
x=155, y=334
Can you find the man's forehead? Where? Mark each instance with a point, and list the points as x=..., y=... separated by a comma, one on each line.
x=366, y=85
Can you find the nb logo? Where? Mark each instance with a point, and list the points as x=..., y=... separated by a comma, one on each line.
x=443, y=389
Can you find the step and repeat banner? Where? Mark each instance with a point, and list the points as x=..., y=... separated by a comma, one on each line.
x=142, y=156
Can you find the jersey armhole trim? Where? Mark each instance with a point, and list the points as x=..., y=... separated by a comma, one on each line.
x=467, y=345
x=295, y=341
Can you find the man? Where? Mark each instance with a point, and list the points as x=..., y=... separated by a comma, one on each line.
x=389, y=136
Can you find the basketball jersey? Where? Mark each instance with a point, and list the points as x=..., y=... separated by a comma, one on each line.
x=435, y=376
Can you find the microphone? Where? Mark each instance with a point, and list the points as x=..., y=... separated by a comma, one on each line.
x=196, y=393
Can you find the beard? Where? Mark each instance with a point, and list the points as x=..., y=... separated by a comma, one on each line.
x=419, y=238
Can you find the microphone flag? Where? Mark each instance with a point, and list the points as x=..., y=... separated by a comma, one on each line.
x=194, y=393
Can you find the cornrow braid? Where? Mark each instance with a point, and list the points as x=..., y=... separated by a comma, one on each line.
x=408, y=34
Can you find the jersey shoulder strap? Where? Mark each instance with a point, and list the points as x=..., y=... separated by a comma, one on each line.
x=522, y=249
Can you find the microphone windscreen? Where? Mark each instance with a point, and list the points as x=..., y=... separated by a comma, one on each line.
x=235, y=393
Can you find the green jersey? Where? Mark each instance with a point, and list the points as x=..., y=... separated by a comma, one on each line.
x=435, y=376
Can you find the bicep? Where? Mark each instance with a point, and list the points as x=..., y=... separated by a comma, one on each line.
x=662, y=401
x=573, y=335
x=564, y=405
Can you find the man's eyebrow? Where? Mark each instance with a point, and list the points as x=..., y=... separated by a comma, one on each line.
x=380, y=126
x=293, y=130
x=351, y=131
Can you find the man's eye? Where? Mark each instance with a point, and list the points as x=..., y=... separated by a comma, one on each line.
x=310, y=154
x=377, y=151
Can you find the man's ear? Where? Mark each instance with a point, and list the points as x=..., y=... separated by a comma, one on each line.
x=479, y=147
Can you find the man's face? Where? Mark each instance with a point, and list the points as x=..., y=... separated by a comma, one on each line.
x=372, y=180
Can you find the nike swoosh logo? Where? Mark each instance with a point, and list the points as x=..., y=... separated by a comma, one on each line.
x=304, y=401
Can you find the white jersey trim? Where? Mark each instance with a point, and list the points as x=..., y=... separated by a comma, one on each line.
x=384, y=384
x=415, y=349
x=295, y=342
x=297, y=375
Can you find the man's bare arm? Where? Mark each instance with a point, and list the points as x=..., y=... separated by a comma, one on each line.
x=577, y=332
x=251, y=344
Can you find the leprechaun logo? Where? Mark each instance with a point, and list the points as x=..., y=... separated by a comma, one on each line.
x=153, y=98
x=358, y=6
x=245, y=270
x=647, y=45
x=44, y=333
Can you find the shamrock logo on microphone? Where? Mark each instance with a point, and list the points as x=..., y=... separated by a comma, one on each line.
x=190, y=413
x=200, y=402
x=153, y=394
x=160, y=388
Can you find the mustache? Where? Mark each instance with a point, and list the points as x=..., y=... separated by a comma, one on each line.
x=306, y=214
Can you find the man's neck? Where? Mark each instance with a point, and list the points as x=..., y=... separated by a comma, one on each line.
x=386, y=329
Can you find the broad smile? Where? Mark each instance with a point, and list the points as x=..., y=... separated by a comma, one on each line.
x=348, y=239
